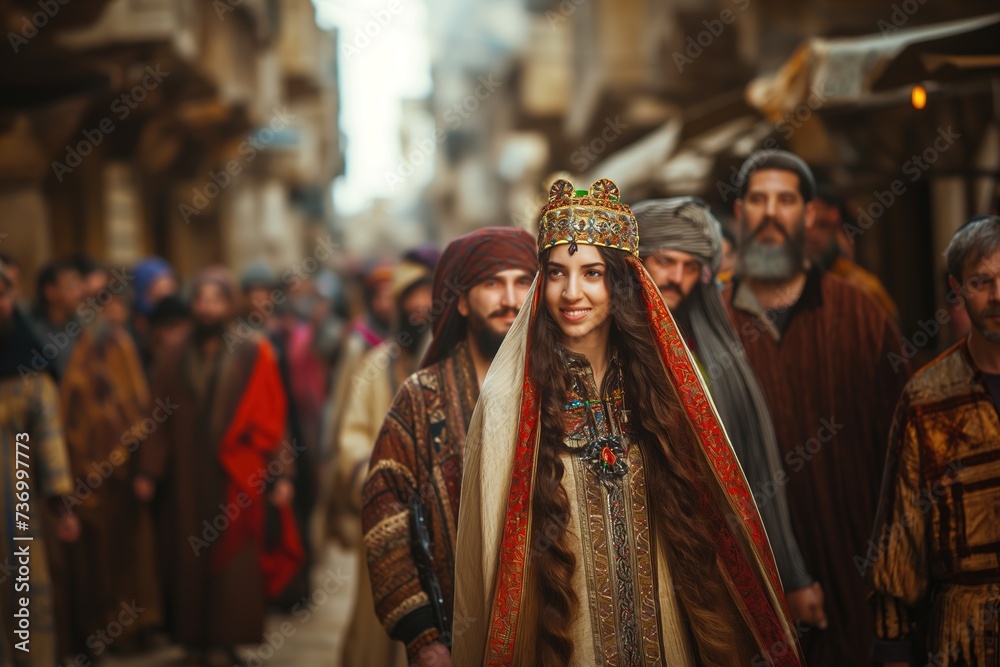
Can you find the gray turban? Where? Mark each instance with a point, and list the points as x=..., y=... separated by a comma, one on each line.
x=686, y=224
x=680, y=223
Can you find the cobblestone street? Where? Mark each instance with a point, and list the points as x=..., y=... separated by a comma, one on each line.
x=310, y=638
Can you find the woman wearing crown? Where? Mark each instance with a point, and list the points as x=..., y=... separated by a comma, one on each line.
x=604, y=517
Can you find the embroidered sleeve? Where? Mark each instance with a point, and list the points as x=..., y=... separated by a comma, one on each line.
x=897, y=555
x=400, y=601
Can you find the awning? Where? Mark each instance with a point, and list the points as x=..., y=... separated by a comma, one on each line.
x=690, y=169
x=633, y=165
x=974, y=53
x=681, y=155
x=859, y=70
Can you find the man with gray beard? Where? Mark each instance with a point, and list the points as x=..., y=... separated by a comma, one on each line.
x=820, y=349
x=681, y=248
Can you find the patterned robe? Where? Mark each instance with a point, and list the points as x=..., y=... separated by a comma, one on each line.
x=934, y=553
x=30, y=406
x=419, y=450
x=105, y=403
x=499, y=529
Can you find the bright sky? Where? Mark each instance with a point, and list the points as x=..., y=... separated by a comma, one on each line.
x=383, y=58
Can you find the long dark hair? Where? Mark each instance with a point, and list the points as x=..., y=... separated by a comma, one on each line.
x=673, y=479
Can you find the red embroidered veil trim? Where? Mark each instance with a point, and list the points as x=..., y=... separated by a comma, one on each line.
x=754, y=599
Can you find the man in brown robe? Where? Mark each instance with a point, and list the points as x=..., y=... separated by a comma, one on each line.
x=681, y=248
x=820, y=349
x=479, y=287
x=105, y=406
x=221, y=472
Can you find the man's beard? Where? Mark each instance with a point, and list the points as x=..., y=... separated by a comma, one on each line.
x=828, y=255
x=486, y=340
x=770, y=263
x=978, y=320
x=682, y=311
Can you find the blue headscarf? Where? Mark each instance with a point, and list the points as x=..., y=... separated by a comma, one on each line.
x=146, y=273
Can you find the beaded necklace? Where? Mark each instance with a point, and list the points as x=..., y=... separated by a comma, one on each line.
x=604, y=455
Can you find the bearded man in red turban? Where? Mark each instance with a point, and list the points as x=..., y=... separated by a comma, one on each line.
x=411, y=495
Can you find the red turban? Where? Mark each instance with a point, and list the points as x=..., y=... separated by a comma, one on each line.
x=467, y=261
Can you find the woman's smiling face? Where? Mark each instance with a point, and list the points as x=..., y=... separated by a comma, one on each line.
x=576, y=295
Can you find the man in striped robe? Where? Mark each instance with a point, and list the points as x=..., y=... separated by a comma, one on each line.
x=821, y=351
x=479, y=286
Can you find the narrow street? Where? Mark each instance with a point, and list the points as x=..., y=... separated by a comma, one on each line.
x=310, y=637
x=631, y=331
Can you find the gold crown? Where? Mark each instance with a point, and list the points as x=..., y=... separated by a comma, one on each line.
x=594, y=217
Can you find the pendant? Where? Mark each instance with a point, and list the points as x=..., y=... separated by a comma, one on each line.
x=608, y=457
x=605, y=457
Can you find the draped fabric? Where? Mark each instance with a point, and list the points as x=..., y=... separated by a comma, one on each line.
x=686, y=224
x=622, y=620
x=340, y=523
x=253, y=436
x=216, y=450
x=680, y=223
x=468, y=261
x=744, y=412
x=495, y=518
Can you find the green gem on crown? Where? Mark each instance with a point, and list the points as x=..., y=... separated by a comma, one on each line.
x=594, y=217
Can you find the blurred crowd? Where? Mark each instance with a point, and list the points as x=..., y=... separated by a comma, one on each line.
x=131, y=380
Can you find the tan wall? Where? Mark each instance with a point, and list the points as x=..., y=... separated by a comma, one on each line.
x=24, y=219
